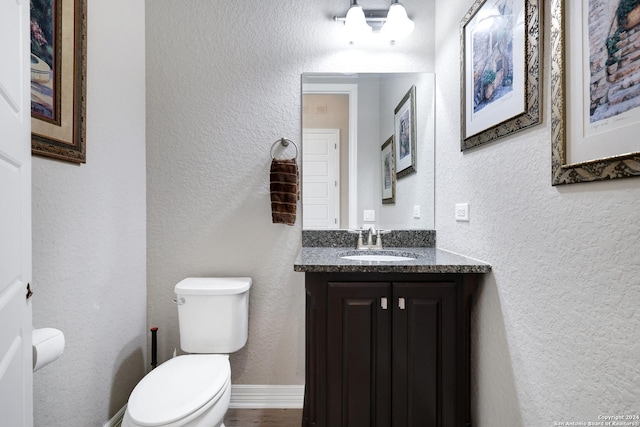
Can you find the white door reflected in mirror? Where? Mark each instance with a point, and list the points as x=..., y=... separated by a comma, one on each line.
x=321, y=179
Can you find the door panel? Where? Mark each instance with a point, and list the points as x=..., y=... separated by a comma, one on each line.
x=10, y=188
x=321, y=179
x=424, y=348
x=358, y=358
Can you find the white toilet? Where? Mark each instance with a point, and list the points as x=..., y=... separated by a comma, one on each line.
x=194, y=390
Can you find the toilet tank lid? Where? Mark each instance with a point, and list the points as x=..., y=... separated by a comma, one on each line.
x=213, y=285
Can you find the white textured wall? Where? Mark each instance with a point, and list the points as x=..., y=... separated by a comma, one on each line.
x=89, y=235
x=223, y=83
x=556, y=327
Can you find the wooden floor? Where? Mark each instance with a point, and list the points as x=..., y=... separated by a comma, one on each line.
x=263, y=418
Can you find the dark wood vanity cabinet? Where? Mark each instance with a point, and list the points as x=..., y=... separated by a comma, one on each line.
x=387, y=349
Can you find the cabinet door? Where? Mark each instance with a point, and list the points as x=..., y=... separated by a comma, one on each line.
x=358, y=357
x=424, y=355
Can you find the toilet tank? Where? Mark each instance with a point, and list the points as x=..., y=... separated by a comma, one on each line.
x=213, y=313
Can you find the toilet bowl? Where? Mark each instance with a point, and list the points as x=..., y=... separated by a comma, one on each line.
x=194, y=390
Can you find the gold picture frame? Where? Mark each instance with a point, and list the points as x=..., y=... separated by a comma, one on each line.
x=501, y=51
x=567, y=114
x=58, y=79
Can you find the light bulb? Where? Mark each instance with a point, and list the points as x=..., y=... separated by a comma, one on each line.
x=398, y=24
x=355, y=23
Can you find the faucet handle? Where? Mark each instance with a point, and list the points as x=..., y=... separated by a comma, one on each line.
x=359, y=233
x=379, y=238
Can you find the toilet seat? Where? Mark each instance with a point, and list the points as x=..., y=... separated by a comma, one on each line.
x=179, y=390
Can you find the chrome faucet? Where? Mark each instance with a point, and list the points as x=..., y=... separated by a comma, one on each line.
x=371, y=234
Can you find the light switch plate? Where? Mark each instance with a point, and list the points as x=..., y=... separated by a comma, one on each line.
x=369, y=215
x=462, y=212
x=416, y=211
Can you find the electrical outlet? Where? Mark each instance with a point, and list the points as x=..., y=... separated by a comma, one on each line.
x=462, y=212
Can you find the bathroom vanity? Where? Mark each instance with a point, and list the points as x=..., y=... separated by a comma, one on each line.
x=387, y=333
x=387, y=342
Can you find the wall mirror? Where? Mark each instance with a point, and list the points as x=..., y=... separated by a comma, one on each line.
x=349, y=123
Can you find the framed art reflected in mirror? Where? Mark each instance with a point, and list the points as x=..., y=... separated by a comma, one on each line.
x=404, y=119
x=387, y=161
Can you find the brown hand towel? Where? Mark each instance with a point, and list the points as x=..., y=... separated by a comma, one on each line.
x=285, y=191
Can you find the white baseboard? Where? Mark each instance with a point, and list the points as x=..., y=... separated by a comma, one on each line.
x=267, y=396
x=116, y=420
x=249, y=396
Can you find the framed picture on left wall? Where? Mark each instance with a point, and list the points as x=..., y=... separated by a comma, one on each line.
x=58, y=79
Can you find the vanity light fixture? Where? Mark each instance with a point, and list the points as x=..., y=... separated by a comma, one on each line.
x=393, y=24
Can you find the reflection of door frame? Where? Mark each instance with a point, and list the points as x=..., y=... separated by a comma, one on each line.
x=351, y=90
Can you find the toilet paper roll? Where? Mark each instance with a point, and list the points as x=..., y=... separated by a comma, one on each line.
x=48, y=345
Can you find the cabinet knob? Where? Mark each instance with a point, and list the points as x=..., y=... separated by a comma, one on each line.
x=383, y=303
x=401, y=303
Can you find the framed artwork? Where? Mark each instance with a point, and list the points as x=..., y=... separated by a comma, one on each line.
x=387, y=162
x=501, y=50
x=595, y=115
x=405, y=134
x=58, y=79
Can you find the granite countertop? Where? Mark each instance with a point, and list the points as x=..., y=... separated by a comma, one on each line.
x=428, y=260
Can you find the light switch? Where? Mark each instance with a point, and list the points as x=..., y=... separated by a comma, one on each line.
x=416, y=211
x=462, y=212
x=369, y=215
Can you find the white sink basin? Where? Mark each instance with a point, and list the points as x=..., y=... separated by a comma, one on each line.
x=377, y=258
x=381, y=257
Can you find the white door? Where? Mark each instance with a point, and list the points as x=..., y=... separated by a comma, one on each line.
x=16, y=401
x=321, y=178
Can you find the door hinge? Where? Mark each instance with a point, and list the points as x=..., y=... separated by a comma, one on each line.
x=29, y=293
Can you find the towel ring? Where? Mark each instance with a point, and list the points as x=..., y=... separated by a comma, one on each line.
x=285, y=143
